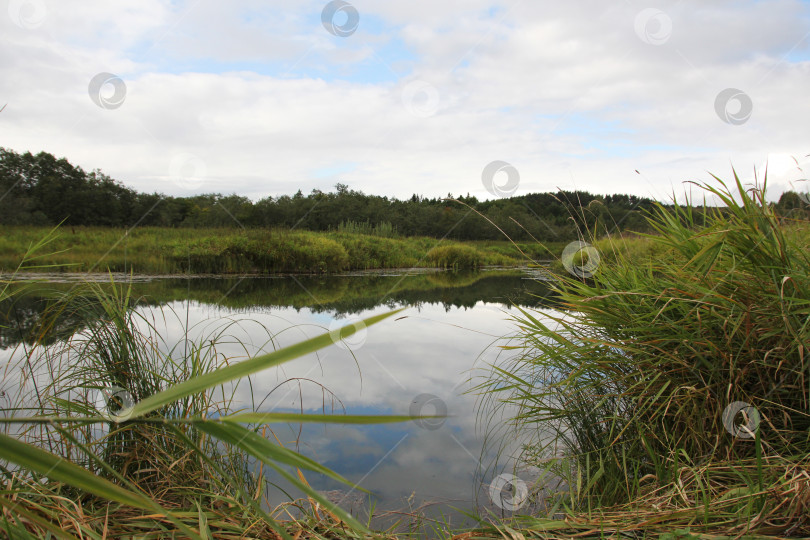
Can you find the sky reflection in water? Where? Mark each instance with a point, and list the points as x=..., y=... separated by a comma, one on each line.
x=438, y=346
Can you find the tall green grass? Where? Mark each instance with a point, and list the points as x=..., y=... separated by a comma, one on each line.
x=119, y=357
x=624, y=391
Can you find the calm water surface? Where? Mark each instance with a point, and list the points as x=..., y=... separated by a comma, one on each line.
x=424, y=361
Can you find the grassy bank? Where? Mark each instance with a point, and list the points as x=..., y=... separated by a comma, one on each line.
x=671, y=397
x=152, y=250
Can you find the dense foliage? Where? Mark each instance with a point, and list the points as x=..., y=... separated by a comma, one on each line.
x=43, y=190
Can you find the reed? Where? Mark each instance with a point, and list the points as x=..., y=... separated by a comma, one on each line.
x=626, y=392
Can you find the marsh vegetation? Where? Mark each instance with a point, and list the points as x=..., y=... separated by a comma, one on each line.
x=156, y=250
x=664, y=393
x=672, y=393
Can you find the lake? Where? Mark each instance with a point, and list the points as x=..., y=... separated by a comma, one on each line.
x=423, y=361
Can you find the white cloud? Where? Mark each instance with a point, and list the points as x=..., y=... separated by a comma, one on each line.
x=567, y=93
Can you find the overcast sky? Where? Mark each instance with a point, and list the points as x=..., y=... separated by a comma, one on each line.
x=400, y=97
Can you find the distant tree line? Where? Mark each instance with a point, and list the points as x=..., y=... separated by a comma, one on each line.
x=43, y=190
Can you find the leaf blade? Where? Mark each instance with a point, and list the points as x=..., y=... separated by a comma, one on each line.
x=247, y=367
x=56, y=468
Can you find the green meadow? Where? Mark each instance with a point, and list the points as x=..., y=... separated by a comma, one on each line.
x=155, y=250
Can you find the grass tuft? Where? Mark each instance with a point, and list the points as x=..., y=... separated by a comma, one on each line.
x=626, y=392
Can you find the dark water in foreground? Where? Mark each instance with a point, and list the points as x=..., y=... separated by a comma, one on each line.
x=422, y=361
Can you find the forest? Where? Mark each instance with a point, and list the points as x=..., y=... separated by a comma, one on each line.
x=42, y=189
